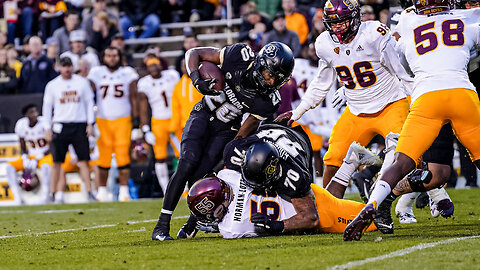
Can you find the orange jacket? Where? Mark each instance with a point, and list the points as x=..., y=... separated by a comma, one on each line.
x=184, y=97
x=296, y=22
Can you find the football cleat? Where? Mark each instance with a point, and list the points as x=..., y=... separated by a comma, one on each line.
x=161, y=231
x=355, y=229
x=422, y=200
x=359, y=155
x=383, y=219
x=188, y=229
x=363, y=184
x=444, y=207
x=406, y=218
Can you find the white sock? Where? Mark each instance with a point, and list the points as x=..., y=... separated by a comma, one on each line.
x=342, y=176
x=387, y=161
x=438, y=194
x=45, y=180
x=13, y=184
x=59, y=196
x=405, y=203
x=123, y=192
x=380, y=192
x=102, y=194
x=161, y=170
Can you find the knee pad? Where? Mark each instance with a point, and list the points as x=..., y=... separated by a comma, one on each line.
x=417, y=178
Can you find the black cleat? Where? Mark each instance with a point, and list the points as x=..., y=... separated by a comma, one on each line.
x=161, y=232
x=422, y=200
x=383, y=220
x=188, y=229
x=363, y=184
x=355, y=229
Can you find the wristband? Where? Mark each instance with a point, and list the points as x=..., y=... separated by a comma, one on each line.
x=145, y=128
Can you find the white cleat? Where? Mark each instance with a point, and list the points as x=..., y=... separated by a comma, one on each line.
x=406, y=218
x=360, y=155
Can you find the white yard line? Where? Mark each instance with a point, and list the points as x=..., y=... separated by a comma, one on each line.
x=84, y=228
x=66, y=211
x=400, y=252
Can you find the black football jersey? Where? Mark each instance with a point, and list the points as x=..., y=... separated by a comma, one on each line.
x=296, y=157
x=235, y=99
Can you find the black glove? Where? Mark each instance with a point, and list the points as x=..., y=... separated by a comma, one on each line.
x=265, y=222
x=207, y=227
x=205, y=87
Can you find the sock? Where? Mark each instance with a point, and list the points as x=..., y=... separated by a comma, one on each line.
x=405, y=203
x=59, y=196
x=123, y=192
x=342, y=176
x=387, y=161
x=380, y=192
x=161, y=170
x=45, y=180
x=102, y=194
x=13, y=184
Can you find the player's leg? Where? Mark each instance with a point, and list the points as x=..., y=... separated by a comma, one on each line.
x=195, y=137
x=58, y=148
x=11, y=169
x=105, y=152
x=121, y=148
x=160, y=130
x=82, y=149
x=45, y=165
x=419, y=131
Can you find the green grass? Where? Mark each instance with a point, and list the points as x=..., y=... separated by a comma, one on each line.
x=128, y=246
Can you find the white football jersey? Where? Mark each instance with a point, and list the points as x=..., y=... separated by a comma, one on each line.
x=437, y=48
x=368, y=67
x=236, y=223
x=159, y=92
x=34, y=136
x=113, y=91
x=322, y=115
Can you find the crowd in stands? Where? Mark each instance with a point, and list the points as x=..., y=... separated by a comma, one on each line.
x=36, y=33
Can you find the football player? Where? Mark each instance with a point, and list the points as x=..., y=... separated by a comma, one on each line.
x=362, y=56
x=437, y=51
x=35, y=152
x=252, y=83
x=116, y=92
x=156, y=89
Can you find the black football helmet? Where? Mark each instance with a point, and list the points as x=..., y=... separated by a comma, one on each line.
x=277, y=58
x=261, y=166
x=209, y=198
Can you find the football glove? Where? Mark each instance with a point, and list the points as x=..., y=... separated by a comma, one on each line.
x=265, y=222
x=339, y=98
x=207, y=227
x=204, y=86
x=150, y=138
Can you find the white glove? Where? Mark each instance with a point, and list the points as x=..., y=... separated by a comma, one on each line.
x=339, y=98
x=25, y=161
x=136, y=134
x=150, y=138
x=32, y=164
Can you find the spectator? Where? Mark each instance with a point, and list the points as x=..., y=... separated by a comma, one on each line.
x=318, y=26
x=140, y=12
x=62, y=34
x=83, y=67
x=70, y=97
x=118, y=42
x=24, y=13
x=367, y=13
x=77, y=42
x=87, y=24
x=203, y=9
x=75, y=5
x=37, y=69
x=295, y=21
x=253, y=27
x=52, y=48
x=3, y=39
x=175, y=10
x=12, y=58
x=104, y=29
x=51, y=16
x=189, y=42
x=8, y=79
x=282, y=34
x=384, y=15
x=154, y=52
x=269, y=7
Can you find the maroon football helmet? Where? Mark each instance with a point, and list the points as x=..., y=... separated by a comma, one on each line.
x=29, y=180
x=140, y=151
x=432, y=6
x=337, y=11
x=209, y=198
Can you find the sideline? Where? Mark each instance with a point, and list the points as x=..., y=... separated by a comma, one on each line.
x=400, y=252
x=85, y=228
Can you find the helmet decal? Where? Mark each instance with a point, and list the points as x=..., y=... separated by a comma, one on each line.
x=271, y=168
x=204, y=206
x=271, y=51
x=351, y=4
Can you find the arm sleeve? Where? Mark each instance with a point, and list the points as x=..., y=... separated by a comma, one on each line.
x=317, y=90
x=391, y=60
x=47, y=107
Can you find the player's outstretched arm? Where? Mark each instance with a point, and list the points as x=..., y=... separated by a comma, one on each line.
x=307, y=215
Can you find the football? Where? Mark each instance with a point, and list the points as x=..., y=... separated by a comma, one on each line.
x=209, y=70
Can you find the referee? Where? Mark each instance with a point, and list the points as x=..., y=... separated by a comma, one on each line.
x=70, y=97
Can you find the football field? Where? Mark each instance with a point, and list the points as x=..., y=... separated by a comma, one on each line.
x=117, y=236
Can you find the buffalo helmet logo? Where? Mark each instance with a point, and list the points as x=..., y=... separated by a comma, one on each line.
x=271, y=51
x=271, y=168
